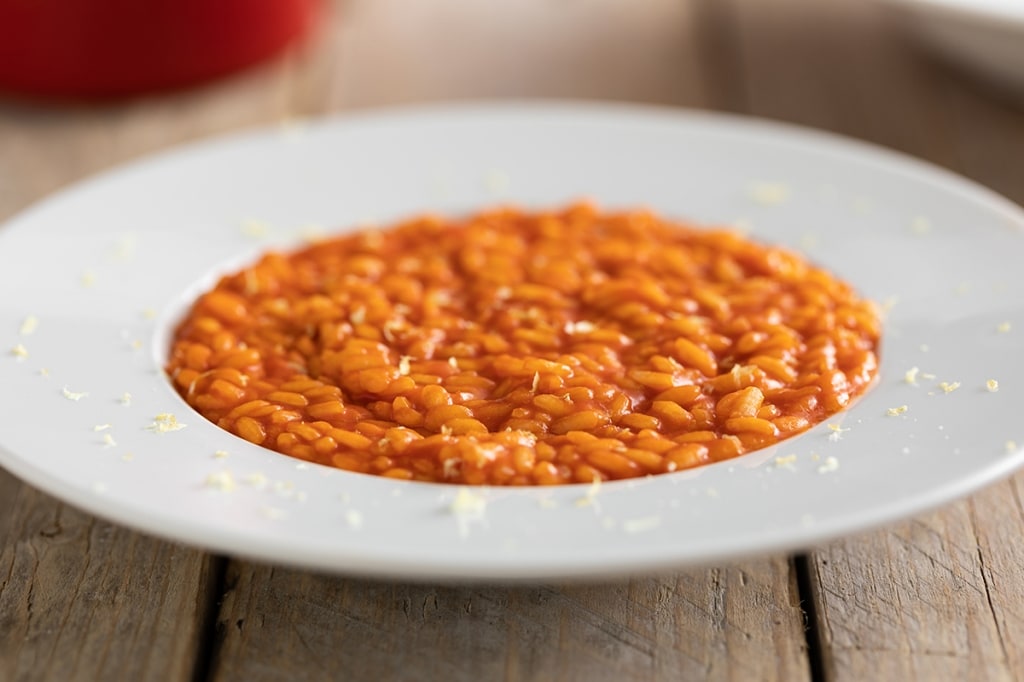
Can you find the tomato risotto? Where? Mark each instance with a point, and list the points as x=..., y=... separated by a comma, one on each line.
x=515, y=348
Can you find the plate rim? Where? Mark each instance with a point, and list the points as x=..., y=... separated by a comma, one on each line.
x=919, y=169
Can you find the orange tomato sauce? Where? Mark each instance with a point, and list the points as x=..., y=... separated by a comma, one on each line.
x=519, y=348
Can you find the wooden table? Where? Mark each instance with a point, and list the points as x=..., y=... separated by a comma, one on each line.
x=936, y=597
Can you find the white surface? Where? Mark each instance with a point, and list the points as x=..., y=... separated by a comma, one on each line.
x=986, y=36
x=89, y=262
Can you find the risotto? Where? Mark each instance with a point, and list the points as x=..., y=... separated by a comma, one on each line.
x=525, y=348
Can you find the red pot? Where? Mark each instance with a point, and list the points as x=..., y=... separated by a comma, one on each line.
x=109, y=48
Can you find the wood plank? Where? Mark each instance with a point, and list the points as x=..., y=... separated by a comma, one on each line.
x=393, y=51
x=734, y=623
x=937, y=597
x=842, y=66
x=81, y=599
x=741, y=622
x=85, y=600
x=913, y=602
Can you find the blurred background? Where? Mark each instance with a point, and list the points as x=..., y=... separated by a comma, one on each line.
x=89, y=83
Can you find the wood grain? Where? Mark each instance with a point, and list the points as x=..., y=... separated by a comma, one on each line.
x=85, y=600
x=81, y=599
x=938, y=597
x=912, y=603
x=738, y=623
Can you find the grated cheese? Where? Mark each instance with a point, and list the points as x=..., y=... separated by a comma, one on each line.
x=830, y=465
x=641, y=525
x=124, y=250
x=786, y=461
x=256, y=480
x=221, y=454
x=911, y=376
x=73, y=395
x=497, y=181
x=837, y=433
x=354, y=519
x=920, y=225
x=949, y=387
x=403, y=365
x=165, y=423
x=809, y=241
x=126, y=399
x=451, y=466
x=88, y=278
x=20, y=352
x=274, y=513
x=468, y=502
x=28, y=326
x=769, y=193
x=1003, y=327
x=108, y=441
x=992, y=385
x=255, y=228
x=591, y=495
x=580, y=327
x=897, y=411
x=223, y=481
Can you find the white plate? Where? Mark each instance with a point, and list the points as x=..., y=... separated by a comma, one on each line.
x=89, y=263
x=986, y=36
